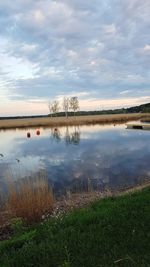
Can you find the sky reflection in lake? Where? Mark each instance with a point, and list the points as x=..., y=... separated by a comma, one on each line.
x=77, y=158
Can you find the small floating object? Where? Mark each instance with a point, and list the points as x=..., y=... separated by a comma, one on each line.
x=28, y=135
x=1, y=155
x=18, y=160
x=55, y=129
x=38, y=132
x=138, y=126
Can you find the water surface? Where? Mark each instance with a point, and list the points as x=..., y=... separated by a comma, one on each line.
x=76, y=159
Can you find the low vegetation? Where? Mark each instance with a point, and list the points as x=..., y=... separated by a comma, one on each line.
x=110, y=232
x=27, y=201
x=63, y=121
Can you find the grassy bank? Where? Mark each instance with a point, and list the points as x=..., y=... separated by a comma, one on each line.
x=62, y=121
x=110, y=232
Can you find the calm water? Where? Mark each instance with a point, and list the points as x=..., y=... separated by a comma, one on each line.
x=76, y=158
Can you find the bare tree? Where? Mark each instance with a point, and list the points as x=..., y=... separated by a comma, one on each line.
x=55, y=106
x=74, y=104
x=50, y=107
x=66, y=105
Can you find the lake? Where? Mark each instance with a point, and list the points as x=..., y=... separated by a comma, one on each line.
x=76, y=159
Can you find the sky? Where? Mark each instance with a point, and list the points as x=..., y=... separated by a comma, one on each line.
x=96, y=50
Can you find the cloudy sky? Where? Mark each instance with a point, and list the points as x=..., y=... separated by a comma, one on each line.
x=97, y=50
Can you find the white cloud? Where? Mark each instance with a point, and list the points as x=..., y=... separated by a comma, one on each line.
x=38, y=16
x=125, y=92
x=17, y=68
x=64, y=46
x=109, y=29
x=28, y=48
x=146, y=48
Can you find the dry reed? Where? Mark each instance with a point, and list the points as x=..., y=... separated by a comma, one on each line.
x=62, y=121
x=30, y=201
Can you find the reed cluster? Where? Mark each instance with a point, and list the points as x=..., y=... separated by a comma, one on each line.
x=27, y=200
x=78, y=120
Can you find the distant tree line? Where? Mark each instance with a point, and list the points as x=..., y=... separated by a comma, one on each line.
x=70, y=107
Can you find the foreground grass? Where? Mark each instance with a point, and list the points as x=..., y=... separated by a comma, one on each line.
x=110, y=232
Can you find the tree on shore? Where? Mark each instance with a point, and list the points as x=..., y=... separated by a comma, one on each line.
x=50, y=108
x=53, y=107
x=74, y=104
x=66, y=105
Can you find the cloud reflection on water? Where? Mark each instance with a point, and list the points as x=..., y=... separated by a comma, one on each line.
x=79, y=158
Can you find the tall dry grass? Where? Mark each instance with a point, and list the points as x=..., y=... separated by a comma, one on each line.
x=79, y=120
x=29, y=201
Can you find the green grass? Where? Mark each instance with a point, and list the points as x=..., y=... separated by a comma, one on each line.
x=110, y=232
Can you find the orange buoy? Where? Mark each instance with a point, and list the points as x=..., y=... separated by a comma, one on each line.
x=28, y=135
x=38, y=132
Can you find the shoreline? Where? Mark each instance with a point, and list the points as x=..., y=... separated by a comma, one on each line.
x=108, y=232
x=81, y=200
x=62, y=121
x=75, y=202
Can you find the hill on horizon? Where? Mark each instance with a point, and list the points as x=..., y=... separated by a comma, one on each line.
x=144, y=108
